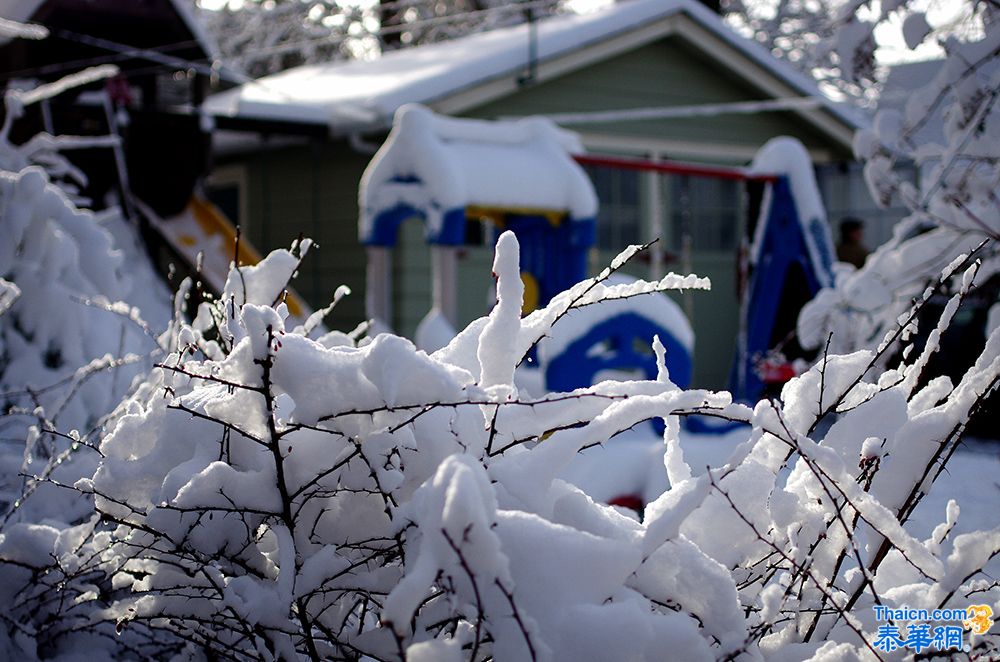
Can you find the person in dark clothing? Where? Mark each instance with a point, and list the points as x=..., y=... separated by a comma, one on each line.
x=851, y=248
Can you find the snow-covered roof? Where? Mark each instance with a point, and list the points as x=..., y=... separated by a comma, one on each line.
x=19, y=10
x=903, y=81
x=434, y=164
x=22, y=11
x=363, y=95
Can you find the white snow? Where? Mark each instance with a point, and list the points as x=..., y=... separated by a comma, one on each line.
x=49, y=90
x=15, y=30
x=498, y=345
x=355, y=95
x=460, y=162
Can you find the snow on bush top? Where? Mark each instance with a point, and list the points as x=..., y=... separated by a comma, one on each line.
x=269, y=495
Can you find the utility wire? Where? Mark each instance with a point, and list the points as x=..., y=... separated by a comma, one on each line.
x=159, y=54
x=152, y=55
x=405, y=26
x=72, y=65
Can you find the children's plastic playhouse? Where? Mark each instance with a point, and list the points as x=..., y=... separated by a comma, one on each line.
x=524, y=176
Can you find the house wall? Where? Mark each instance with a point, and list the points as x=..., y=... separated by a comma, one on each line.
x=669, y=72
x=310, y=189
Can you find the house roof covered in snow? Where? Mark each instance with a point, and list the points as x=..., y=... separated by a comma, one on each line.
x=903, y=81
x=126, y=21
x=453, y=76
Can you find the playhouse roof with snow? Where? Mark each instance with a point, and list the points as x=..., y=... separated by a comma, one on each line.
x=439, y=168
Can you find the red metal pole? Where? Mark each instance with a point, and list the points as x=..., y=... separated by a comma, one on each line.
x=672, y=167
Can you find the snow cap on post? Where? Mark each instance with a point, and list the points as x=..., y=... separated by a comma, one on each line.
x=498, y=344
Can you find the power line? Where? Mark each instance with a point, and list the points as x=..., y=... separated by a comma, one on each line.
x=154, y=56
x=405, y=26
x=159, y=54
x=69, y=65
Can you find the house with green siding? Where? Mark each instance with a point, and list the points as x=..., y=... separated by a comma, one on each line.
x=291, y=149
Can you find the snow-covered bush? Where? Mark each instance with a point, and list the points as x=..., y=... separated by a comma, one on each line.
x=954, y=204
x=71, y=335
x=265, y=494
x=67, y=353
x=270, y=495
x=71, y=342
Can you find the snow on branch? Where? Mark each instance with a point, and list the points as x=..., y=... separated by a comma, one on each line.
x=273, y=495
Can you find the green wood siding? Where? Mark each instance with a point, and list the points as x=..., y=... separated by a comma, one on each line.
x=312, y=190
x=666, y=73
x=475, y=278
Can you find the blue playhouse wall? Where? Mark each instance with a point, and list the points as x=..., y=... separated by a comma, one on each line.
x=783, y=254
x=555, y=255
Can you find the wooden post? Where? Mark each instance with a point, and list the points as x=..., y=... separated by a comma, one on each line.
x=378, y=289
x=444, y=272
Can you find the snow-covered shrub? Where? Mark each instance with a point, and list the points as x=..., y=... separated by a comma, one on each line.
x=72, y=283
x=954, y=204
x=67, y=358
x=270, y=495
x=267, y=495
x=67, y=353
x=71, y=343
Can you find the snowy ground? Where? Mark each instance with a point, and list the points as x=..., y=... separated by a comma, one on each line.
x=632, y=463
x=973, y=480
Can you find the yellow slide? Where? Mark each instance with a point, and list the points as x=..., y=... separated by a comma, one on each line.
x=203, y=228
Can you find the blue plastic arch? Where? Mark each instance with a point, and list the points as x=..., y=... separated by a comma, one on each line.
x=385, y=226
x=622, y=342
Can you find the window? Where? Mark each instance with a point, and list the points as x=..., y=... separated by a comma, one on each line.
x=845, y=194
x=226, y=189
x=707, y=209
x=619, y=216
